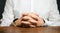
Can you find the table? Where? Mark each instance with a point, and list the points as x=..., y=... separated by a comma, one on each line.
x=12, y=29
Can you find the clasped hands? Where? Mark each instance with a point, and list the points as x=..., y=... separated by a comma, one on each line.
x=29, y=20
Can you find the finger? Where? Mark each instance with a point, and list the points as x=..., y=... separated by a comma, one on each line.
x=24, y=14
x=32, y=26
x=32, y=21
x=40, y=22
x=34, y=16
x=25, y=24
x=26, y=18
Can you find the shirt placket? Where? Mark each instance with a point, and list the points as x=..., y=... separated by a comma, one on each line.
x=32, y=5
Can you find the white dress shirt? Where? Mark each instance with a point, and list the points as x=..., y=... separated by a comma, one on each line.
x=46, y=9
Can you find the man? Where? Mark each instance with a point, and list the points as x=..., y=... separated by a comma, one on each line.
x=31, y=13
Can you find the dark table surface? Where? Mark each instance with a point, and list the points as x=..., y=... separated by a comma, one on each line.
x=30, y=30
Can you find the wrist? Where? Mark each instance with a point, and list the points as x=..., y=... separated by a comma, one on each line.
x=15, y=19
x=14, y=22
x=43, y=20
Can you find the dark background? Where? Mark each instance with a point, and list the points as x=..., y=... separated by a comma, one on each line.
x=58, y=2
x=2, y=3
